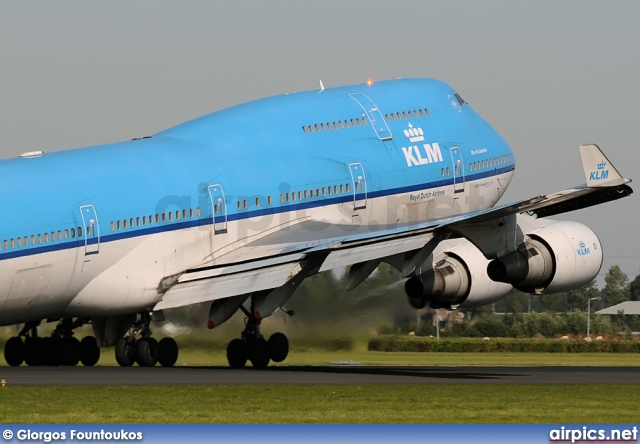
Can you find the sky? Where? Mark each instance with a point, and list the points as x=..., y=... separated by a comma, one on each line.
x=547, y=75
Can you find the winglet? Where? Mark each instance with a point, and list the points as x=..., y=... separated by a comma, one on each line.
x=598, y=170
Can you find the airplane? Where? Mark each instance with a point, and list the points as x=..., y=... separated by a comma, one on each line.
x=237, y=208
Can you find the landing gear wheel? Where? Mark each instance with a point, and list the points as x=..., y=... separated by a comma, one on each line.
x=69, y=351
x=51, y=351
x=167, y=352
x=33, y=355
x=126, y=352
x=237, y=353
x=14, y=351
x=278, y=347
x=89, y=351
x=147, y=354
x=258, y=351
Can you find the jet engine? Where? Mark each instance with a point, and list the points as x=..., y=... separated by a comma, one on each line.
x=557, y=257
x=454, y=275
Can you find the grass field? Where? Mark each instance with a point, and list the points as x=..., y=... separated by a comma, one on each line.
x=321, y=404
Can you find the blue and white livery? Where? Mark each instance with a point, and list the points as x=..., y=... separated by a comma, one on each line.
x=238, y=207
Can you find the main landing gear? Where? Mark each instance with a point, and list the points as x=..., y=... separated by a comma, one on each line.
x=253, y=347
x=61, y=348
x=146, y=351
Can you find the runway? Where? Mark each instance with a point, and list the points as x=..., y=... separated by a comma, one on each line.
x=82, y=376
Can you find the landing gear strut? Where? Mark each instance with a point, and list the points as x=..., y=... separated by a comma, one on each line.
x=253, y=347
x=146, y=351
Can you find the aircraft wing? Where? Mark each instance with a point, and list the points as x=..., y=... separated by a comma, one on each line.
x=275, y=259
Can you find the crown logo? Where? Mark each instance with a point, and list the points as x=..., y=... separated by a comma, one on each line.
x=414, y=134
x=581, y=244
x=601, y=165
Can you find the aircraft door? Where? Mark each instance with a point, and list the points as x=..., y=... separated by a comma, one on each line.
x=458, y=169
x=91, y=228
x=359, y=181
x=219, y=208
x=374, y=115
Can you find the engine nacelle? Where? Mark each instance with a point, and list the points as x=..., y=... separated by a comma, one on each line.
x=560, y=256
x=455, y=275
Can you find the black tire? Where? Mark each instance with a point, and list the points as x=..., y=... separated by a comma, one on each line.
x=33, y=352
x=69, y=351
x=89, y=351
x=278, y=347
x=167, y=352
x=51, y=351
x=237, y=353
x=259, y=353
x=126, y=352
x=14, y=351
x=147, y=354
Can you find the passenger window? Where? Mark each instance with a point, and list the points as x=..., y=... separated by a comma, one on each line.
x=347, y=123
x=311, y=129
x=329, y=188
x=184, y=214
x=404, y=113
x=164, y=217
x=79, y=232
x=364, y=120
x=125, y=223
x=310, y=194
x=281, y=198
x=246, y=205
x=442, y=172
x=293, y=197
x=6, y=244
x=19, y=242
x=170, y=214
x=39, y=238
x=299, y=195
x=131, y=223
x=257, y=201
x=269, y=200
x=287, y=197
x=448, y=171
x=306, y=194
x=33, y=239
x=46, y=238
x=341, y=189
x=399, y=116
x=335, y=189
x=324, y=191
x=59, y=235
x=73, y=233
x=348, y=187
x=13, y=244
x=304, y=128
x=198, y=211
x=317, y=127
x=353, y=123
x=66, y=234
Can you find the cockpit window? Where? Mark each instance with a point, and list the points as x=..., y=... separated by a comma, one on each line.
x=460, y=99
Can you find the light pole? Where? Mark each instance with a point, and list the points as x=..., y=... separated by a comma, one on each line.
x=589, y=313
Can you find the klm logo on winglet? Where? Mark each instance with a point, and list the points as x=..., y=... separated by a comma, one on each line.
x=600, y=173
x=583, y=250
x=416, y=155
